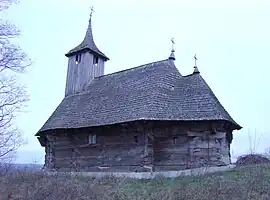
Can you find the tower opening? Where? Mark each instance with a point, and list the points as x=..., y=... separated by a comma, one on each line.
x=78, y=58
x=85, y=63
x=95, y=60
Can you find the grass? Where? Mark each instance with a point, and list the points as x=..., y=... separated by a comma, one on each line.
x=243, y=183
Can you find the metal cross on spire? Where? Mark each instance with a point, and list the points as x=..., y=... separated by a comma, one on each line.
x=92, y=10
x=172, y=40
x=195, y=58
x=172, y=57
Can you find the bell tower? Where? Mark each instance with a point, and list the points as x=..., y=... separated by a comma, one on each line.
x=85, y=62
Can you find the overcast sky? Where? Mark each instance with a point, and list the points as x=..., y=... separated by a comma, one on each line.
x=231, y=40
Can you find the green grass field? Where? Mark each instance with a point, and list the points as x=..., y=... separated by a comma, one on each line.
x=243, y=183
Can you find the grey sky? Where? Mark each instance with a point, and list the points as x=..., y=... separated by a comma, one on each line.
x=231, y=40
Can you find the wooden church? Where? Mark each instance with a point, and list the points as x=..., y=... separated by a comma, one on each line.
x=147, y=118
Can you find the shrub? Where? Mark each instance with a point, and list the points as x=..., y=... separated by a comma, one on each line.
x=252, y=159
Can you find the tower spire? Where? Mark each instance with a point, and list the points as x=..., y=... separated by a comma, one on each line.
x=88, y=38
x=88, y=43
x=85, y=62
x=172, y=57
x=196, y=70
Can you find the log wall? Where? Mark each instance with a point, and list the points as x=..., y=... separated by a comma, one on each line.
x=140, y=146
x=118, y=147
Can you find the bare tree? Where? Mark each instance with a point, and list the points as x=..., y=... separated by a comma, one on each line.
x=12, y=95
x=254, y=141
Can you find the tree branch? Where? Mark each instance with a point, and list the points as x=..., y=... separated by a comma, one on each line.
x=13, y=60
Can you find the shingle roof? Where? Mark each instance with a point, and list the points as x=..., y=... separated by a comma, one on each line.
x=87, y=44
x=155, y=91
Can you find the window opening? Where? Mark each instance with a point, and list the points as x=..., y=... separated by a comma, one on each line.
x=78, y=58
x=136, y=139
x=95, y=60
x=92, y=139
x=174, y=140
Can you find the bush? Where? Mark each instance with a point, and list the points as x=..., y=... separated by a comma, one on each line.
x=252, y=159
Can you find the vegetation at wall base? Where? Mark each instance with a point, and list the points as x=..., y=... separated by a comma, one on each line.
x=242, y=183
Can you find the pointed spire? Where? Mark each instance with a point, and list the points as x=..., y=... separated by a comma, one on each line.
x=88, y=43
x=172, y=56
x=196, y=70
x=88, y=38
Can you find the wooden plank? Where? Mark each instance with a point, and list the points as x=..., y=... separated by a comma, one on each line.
x=171, y=167
x=105, y=161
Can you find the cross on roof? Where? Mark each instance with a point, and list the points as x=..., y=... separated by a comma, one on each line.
x=195, y=58
x=172, y=40
x=92, y=10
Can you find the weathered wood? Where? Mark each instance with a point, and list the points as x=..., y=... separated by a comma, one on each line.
x=169, y=167
x=115, y=168
x=79, y=74
x=139, y=146
x=99, y=161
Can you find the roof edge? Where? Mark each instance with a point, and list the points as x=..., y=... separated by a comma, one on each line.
x=86, y=49
x=235, y=126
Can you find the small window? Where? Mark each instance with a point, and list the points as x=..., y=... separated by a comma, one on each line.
x=78, y=58
x=92, y=139
x=136, y=139
x=95, y=60
x=174, y=140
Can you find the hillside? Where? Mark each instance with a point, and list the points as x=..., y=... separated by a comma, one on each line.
x=242, y=183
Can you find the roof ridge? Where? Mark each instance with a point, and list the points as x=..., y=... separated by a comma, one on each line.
x=124, y=70
x=107, y=75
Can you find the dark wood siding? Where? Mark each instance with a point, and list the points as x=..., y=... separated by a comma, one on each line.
x=139, y=146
